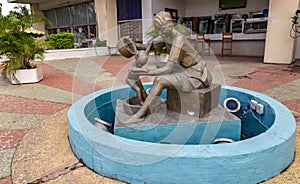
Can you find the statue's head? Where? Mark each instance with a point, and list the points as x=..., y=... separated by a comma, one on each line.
x=163, y=23
x=141, y=58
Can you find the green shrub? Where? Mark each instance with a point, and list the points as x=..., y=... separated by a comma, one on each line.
x=100, y=43
x=63, y=40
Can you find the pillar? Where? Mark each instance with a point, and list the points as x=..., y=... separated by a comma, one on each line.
x=36, y=11
x=106, y=15
x=279, y=47
x=147, y=16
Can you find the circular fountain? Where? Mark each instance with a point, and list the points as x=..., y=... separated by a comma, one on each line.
x=223, y=134
x=267, y=146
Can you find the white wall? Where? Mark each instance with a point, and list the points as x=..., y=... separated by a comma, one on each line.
x=211, y=7
x=160, y=5
x=150, y=7
x=279, y=45
x=195, y=8
x=297, y=45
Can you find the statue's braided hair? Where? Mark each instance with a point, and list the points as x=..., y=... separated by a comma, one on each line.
x=163, y=18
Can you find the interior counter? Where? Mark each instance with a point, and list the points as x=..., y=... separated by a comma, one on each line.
x=250, y=44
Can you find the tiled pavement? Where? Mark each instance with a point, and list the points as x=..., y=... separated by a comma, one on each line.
x=33, y=125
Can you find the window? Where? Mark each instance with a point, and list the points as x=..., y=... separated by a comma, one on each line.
x=79, y=14
x=231, y=4
x=129, y=19
x=72, y=19
x=91, y=13
x=51, y=15
x=173, y=13
x=129, y=9
x=63, y=17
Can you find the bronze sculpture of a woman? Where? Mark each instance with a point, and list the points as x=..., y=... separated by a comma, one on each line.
x=184, y=69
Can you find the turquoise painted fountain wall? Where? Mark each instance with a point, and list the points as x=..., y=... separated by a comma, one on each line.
x=268, y=150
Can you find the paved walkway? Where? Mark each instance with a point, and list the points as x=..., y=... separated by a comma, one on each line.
x=33, y=124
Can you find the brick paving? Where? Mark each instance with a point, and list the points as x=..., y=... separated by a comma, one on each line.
x=22, y=112
x=10, y=138
x=28, y=106
x=61, y=80
x=264, y=79
x=293, y=105
x=6, y=180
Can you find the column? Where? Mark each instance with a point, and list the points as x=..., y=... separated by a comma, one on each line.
x=279, y=47
x=147, y=16
x=106, y=15
x=36, y=11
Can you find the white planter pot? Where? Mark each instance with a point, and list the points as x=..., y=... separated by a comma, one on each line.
x=164, y=58
x=24, y=76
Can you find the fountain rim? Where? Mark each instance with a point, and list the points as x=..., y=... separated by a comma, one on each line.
x=283, y=129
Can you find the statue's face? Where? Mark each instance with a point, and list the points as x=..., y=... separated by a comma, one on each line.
x=164, y=30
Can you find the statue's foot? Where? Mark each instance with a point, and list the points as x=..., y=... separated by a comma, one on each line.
x=134, y=119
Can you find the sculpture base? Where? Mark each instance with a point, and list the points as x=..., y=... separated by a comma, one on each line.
x=195, y=103
x=170, y=127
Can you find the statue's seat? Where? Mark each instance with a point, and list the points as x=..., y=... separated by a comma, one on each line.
x=195, y=103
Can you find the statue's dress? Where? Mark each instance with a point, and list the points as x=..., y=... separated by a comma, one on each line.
x=190, y=71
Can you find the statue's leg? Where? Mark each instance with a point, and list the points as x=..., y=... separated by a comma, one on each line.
x=136, y=85
x=158, y=85
x=142, y=90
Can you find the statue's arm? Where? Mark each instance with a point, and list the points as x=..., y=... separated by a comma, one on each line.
x=139, y=70
x=140, y=46
x=177, y=46
x=174, y=55
x=167, y=69
x=158, y=43
x=154, y=43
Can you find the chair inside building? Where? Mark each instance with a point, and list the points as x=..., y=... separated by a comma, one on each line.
x=193, y=40
x=227, y=43
x=205, y=43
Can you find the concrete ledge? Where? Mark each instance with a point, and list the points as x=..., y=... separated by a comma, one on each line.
x=79, y=53
x=253, y=160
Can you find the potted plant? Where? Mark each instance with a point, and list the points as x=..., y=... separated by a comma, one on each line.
x=295, y=33
x=18, y=49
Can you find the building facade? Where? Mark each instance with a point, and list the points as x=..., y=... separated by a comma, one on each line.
x=268, y=25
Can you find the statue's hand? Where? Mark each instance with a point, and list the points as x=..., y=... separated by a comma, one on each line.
x=145, y=70
x=140, y=71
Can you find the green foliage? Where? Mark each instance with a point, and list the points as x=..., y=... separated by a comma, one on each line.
x=181, y=28
x=19, y=11
x=100, y=43
x=294, y=19
x=63, y=40
x=152, y=33
x=18, y=48
x=294, y=32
